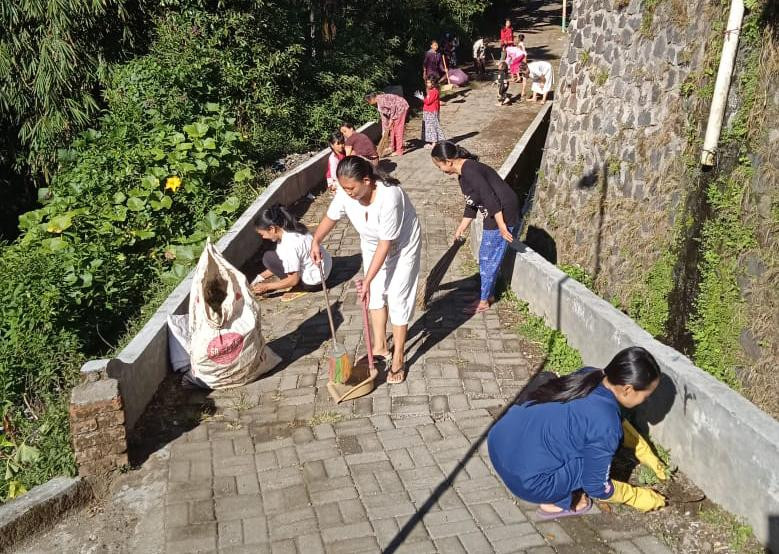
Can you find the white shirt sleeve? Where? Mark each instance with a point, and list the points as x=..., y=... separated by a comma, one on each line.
x=391, y=214
x=290, y=251
x=337, y=208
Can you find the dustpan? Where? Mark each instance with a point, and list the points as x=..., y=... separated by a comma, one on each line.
x=364, y=372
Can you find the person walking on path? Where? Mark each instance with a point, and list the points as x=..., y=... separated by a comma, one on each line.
x=384, y=217
x=393, y=110
x=556, y=447
x=486, y=192
x=431, y=110
x=506, y=38
x=359, y=144
x=541, y=76
x=433, y=65
x=291, y=260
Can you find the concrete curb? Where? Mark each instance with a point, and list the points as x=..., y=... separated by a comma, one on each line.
x=143, y=363
x=724, y=443
x=39, y=508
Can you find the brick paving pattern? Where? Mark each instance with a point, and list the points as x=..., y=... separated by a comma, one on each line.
x=278, y=467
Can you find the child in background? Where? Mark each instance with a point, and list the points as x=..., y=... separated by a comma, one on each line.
x=431, y=109
x=291, y=260
x=506, y=38
x=521, y=43
x=337, y=145
x=503, y=84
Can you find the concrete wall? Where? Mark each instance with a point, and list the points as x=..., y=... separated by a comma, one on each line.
x=142, y=364
x=725, y=444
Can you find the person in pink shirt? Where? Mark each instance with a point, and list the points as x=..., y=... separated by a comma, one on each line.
x=337, y=145
x=393, y=110
x=431, y=108
x=514, y=58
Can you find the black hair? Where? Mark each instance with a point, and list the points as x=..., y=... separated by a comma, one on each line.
x=521, y=37
x=347, y=125
x=523, y=68
x=370, y=96
x=278, y=216
x=358, y=168
x=336, y=138
x=503, y=66
x=434, y=81
x=633, y=366
x=446, y=150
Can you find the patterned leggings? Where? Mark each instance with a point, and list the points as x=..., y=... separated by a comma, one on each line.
x=493, y=248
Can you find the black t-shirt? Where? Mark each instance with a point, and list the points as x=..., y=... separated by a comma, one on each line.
x=486, y=192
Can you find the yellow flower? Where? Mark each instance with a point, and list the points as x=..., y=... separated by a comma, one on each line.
x=172, y=183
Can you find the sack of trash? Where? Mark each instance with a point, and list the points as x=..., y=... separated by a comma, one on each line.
x=226, y=344
x=458, y=77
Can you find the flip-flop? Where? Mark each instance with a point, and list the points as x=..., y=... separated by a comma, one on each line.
x=290, y=296
x=391, y=371
x=565, y=513
x=475, y=308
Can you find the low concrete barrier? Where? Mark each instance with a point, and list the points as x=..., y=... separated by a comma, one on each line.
x=38, y=509
x=143, y=363
x=724, y=443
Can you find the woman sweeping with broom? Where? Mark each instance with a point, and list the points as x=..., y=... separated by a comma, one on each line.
x=486, y=192
x=387, y=223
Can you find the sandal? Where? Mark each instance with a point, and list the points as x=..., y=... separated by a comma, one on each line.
x=391, y=372
x=544, y=515
x=476, y=308
x=293, y=295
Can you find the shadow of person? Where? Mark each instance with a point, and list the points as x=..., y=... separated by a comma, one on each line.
x=442, y=317
x=542, y=243
x=388, y=166
x=658, y=405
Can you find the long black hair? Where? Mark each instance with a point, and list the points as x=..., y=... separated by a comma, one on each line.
x=446, y=150
x=358, y=168
x=633, y=366
x=278, y=216
x=336, y=138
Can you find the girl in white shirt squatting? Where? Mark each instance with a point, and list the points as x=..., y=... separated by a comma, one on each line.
x=387, y=223
x=291, y=260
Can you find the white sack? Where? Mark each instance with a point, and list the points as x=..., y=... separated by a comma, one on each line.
x=178, y=342
x=226, y=348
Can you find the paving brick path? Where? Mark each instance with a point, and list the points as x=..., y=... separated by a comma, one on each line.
x=278, y=467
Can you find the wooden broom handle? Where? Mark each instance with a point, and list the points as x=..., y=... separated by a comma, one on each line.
x=366, y=324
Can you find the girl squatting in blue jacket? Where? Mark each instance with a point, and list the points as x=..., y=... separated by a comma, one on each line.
x=556, y=448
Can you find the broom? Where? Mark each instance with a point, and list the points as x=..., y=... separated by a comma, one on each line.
x=437, y=273
x=383, y=143
x=448, y=86
x=339, y=365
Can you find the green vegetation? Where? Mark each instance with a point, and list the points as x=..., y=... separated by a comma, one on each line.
x=741, y=536
x=560, y=356
x=146, y=128
x=577, y=272
x=601, y=77
x=649, y=305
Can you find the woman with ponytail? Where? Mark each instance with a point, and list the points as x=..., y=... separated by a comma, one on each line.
x=290, y=261
x=556, y=447
x=486, y=192
x=386, y=221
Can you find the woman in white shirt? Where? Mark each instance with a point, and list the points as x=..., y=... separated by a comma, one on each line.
x=387, y=223
x=541, y=75
x=291, y=260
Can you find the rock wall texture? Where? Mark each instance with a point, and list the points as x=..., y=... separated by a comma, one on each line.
x=610, y=180
x=620, y=193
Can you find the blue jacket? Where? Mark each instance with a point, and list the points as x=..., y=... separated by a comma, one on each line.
x=543, y=449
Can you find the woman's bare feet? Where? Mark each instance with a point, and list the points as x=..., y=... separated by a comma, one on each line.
x=554, y=509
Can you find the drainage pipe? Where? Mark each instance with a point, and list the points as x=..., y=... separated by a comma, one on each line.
x=722, y=85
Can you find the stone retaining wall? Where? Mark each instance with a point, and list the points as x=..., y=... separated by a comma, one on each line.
x=97, y=411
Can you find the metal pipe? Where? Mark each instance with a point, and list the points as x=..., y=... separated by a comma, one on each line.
x=722, y=85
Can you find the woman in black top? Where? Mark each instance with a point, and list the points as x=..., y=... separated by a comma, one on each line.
x=486, y=192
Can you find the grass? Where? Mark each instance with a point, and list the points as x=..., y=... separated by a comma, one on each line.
x=740, y=535
x=325, y=417
x=560, y=357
